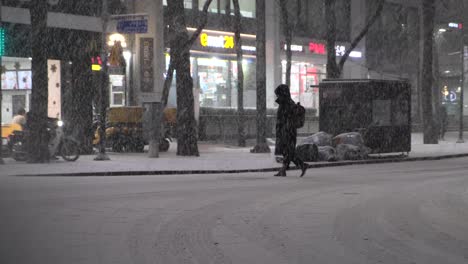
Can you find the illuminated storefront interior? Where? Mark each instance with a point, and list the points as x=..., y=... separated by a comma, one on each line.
x=214, y=70
x=17, y=87
x=305, y=78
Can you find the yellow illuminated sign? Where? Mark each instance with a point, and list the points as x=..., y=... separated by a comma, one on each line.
x=225, y=42
x=96, y=67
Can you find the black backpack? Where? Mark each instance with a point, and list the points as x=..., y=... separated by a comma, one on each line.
x=298, y=115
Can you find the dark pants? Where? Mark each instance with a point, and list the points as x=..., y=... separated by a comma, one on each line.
x=290, y=156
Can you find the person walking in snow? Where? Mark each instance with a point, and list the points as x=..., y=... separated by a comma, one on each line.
x=286, y=132
x=442, y=122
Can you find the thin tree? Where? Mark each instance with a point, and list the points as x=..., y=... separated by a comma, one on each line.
x=261, y=146
x=288, y=34
x=102, y=155
x=37, y=117
x=240, y=75
x=180, y=44
x=334, y=69
x=429, y=128
x=170, y=70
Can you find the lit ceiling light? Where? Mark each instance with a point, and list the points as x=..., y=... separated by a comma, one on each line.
x=442, y=30
x=117, y=37
x=127, y=55
x=447, y=71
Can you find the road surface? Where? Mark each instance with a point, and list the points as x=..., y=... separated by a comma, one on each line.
x=413, y=212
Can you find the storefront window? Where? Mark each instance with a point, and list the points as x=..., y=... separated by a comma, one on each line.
x=247, y=7
x=305, y=78
x=117, y=83
x=16, y=86
x=215, y=82
x=188, y=4
x=213, y=79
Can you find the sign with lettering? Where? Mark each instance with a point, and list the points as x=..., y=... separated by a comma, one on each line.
x=318, y=48
x=297, y=48
x=146, y=58
x=132, y=26
x=455, y=25
x=224, y=42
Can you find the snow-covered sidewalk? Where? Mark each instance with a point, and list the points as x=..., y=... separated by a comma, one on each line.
x=213, y=157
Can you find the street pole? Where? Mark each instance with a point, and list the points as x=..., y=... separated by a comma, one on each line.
x=102, y=155
x=462, y=79
x=1, y=94
x=157, y=108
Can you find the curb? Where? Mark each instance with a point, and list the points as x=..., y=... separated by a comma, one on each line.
x=186, y=172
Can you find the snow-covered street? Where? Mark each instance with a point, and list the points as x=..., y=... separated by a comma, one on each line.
x=415, y=212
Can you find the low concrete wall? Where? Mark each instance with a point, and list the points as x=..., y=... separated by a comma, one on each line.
x=222, y=124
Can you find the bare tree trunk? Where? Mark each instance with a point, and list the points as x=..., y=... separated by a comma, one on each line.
x=186, y=124
x=37, y=117
x=262, y=146
x=363, y=32
x=428, y=12
x=287, y=31
x=170, y=70
x=436, y=90
x=334, y=69
x=240, y=76
x=103, y=88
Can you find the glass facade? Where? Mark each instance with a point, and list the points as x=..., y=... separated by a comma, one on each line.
x=17, y=87
x=310, y=18
x=305, y=78
x=247, y=7
x=215, y=82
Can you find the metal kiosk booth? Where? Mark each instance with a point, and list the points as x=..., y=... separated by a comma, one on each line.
x=379, y=109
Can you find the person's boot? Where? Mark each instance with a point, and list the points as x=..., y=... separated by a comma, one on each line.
x=304, y=167
x=281, y=172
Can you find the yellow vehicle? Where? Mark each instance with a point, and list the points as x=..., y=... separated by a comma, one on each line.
x=124, y=129
x=7, y=130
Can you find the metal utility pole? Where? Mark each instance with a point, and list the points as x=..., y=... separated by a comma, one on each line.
x=102, y=155
x=462, y=79
x=156, y=109
x=1, y=94
x=262, y=146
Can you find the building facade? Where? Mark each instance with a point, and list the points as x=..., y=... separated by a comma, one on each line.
x=394, y=51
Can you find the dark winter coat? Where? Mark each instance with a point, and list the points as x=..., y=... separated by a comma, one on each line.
x=286, y=132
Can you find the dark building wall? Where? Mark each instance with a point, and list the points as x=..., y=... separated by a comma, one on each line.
x=309, y=19
x=393, y=41
x=393, y=48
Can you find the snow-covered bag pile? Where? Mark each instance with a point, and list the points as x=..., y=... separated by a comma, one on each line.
x=350, y=146
x=316, y=147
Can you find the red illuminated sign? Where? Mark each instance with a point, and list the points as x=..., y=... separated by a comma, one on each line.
x=318, y=48
x=96, y=60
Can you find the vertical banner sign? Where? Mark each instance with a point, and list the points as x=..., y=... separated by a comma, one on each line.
x=146, y=58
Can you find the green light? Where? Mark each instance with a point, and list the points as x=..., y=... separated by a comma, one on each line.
x=2, y=41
